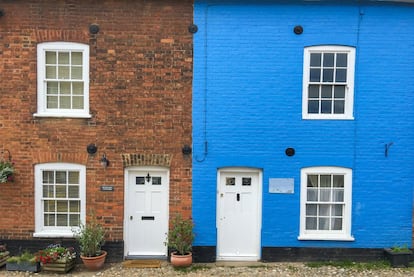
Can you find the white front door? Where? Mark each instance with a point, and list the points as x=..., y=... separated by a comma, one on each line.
x=239, y=214
x=146, y=211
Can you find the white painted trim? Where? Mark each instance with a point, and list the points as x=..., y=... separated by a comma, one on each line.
x=340, y=235
x=349, y=93
x=49, y=232
x=42, y=111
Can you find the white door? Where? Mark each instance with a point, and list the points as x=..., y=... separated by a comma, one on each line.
x=239, y=215
x=146, y=212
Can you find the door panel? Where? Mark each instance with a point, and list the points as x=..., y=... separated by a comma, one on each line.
x=146, y=213
x=239, y=215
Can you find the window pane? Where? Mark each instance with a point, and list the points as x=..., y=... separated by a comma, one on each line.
x=323, y=224
x=313, y=91
x=230, y=181
x=48, y=191
x=73, y=191
x=315, y=59
x=76, y=73
x=63, y=58
x=338, y=195
x=246, y=181
x=48, y=177
x=339, y=106
x=326, y=91
x=325, y=181
x=62, y=206
x=77, y=88
x=325, y=195
x=77, y=102
x=336, y=224
x=63, y=72
x=337, y=210
x=328, y=59
x=311, y=209
x=140, y=180
x=49, y=206
x=339, y=91
x=49, y=220
x=50, y=72
x=60, y=191
x=74, y=220
x=64, y=88
x=328, y=75
x=312, y=195
x=324, y=210
x=52, y=87
x=313, y=106
x=311, y=223
x=326, y=106
x=341, y=60
x=76, y=58
x=60, y=177
x=312, y=181
x=64, y=102
x=73, y=177
x=315, y=75
x=62, y=220
x=340, y=75
x=52, y=102
x=74, y=206
x=156, y=181
x=50, y=57
x=338, y=181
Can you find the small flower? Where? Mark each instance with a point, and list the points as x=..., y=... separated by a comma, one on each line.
x=6, y=171
x=55, y=252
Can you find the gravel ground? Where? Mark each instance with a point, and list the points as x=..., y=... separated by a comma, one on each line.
x=239, y=270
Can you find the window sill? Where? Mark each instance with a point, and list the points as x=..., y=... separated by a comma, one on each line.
x=328, y=117
x=327, y=237
x=77, y=115
x=53, y=234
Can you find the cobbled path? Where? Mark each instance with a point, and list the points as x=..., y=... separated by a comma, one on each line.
x=198, y=270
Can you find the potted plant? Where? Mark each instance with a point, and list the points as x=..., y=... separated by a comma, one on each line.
x=4, y=255
x=91, y=237
x=6, y=171
x=180, y=241
x=25, y=262
x=398, y=256
x=57, y=258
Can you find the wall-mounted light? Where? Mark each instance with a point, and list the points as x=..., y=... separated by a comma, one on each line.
x=94, y=28
x=148, y=177
x=104, y=161
x=91, y=149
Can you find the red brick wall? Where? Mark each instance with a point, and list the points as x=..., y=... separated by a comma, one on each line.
x=140, y=100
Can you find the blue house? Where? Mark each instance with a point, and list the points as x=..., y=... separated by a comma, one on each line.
x=303, y=129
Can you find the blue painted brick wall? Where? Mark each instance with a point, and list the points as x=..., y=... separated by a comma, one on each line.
x=247, y=105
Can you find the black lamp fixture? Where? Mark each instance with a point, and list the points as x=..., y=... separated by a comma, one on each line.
x=104, y=161
x=186, y=149
x=148, y=177
x=91, y=149
x=1, y=12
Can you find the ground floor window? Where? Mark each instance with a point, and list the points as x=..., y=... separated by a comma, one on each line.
x=60, y=198
x=326, y=194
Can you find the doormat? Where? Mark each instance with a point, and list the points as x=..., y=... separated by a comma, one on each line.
x=141, y=264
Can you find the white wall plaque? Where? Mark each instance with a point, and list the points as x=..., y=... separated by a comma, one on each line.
x=281, y=185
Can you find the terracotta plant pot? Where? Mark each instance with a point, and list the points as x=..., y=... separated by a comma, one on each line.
x=181, y=260
x=94, y=263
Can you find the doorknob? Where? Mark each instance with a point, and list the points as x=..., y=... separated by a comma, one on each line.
x=238, y=197
x=131, y=217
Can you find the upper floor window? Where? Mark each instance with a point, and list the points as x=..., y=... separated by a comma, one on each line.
x=325, y=203
x=328, y=82
x=59, y=198
x=62, y=79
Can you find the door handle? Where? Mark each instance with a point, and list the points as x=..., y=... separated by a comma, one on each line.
x=131, y=217
x=238, y=197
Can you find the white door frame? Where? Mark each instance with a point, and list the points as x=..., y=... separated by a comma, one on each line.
x=238, y=170
x=127, y=172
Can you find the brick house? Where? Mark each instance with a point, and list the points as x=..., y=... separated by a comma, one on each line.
x=303, y=138
x=84, y=82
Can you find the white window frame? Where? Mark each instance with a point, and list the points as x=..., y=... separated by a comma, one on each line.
x=42, y=110
x=349, y=84
x=338, y=235
x=47, y=231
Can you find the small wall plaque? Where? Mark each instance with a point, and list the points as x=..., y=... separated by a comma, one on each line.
x=107, y=188
x=281, y=185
